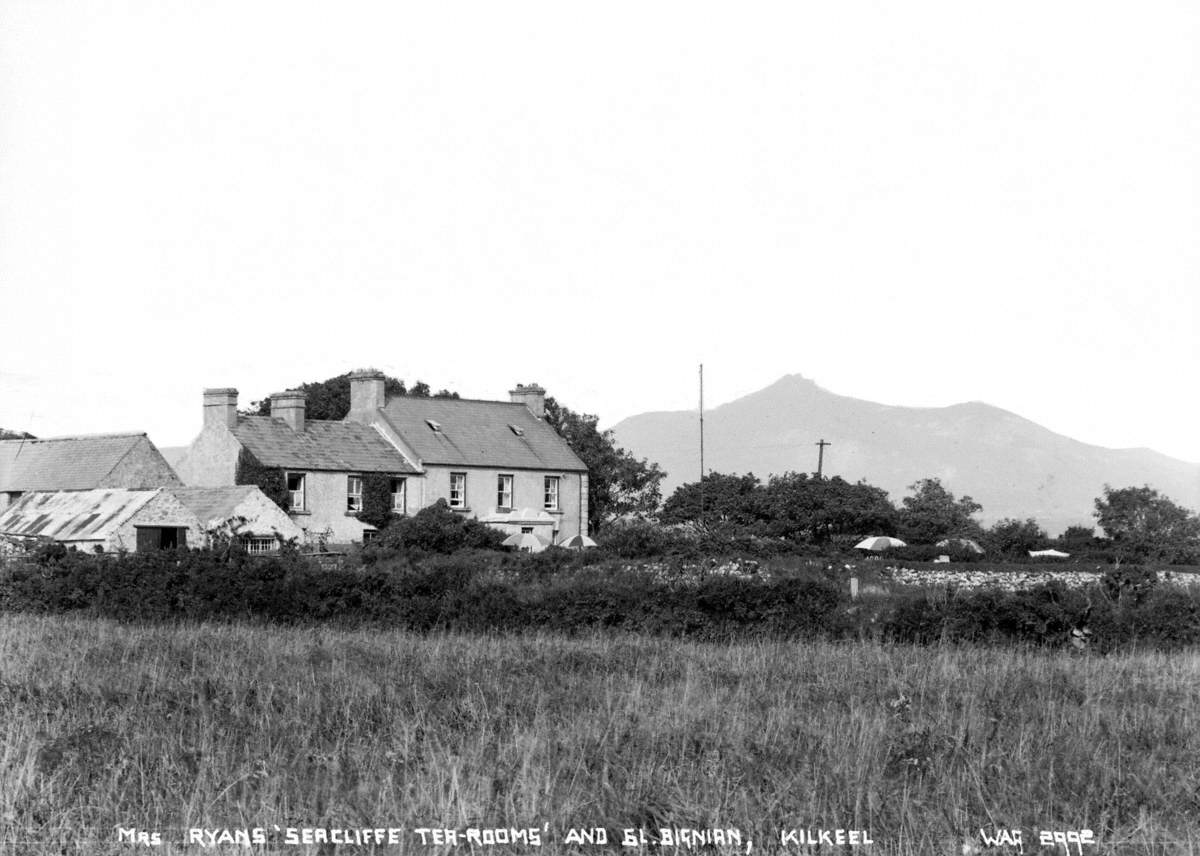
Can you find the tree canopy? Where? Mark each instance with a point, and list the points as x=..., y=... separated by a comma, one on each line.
x=6, y=434
x=330, y=398
x=933, y=513
x=618, y=483
x=1015, y=537
x=1142, y=524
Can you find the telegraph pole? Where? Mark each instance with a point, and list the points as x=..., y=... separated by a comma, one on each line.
x=821, y=455
x=702, y=442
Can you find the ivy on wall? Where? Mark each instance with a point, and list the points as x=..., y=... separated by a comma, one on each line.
x=269, y=480
x=377, y=500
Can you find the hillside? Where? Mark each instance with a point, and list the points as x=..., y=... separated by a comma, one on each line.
x=1013, y=467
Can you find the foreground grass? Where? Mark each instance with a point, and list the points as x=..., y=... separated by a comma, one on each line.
x=219, y=726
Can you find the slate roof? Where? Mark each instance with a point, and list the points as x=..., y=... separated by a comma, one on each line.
x=62, y=463
x=478, y=433
x=322, y=445
x=212, y=503
x=75, y=515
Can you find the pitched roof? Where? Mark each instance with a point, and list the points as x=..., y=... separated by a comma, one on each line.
x=322, y=445
x=212, y=503
x=62, y=463
x=478, y=433
x=73, y=515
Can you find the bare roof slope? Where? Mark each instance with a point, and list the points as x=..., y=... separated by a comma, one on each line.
x=212, y=503
x=77, y=463
x=76, y=515
x=478, y=433
x=322, y=445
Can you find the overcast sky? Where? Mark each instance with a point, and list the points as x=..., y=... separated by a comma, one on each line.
x=917, y=203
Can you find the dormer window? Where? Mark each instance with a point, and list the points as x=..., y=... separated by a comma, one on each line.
x=520, y=432
x=434, y=426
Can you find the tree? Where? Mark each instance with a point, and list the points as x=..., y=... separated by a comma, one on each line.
x=1141, y=524
x=618, y=483
x=933, y=513
x=5, y=434
x=1015, y=537
x=804, y=507
x=727, y=499
x=1077, y=538
x=330, y=399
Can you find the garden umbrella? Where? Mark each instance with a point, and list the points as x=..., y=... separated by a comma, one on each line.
x=1049, y=554
x=879, y=542
x=526, y=541
x=577, y=542
x=965, y=543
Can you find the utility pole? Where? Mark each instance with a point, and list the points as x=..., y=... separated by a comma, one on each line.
x=821, y=455
x=702, y=442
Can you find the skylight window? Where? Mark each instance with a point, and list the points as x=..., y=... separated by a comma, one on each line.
x=436, y=426
x=520, y=432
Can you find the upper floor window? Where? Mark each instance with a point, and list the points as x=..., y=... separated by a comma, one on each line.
x=295, y=487
x=504, y=491
x=354, y=493
x=550, y=495
x=400, y=495
x=458, y=490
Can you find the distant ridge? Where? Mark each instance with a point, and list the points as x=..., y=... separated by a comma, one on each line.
x=1012, y=466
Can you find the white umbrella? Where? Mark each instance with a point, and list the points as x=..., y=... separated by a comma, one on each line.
x=577, y=542
x=1049, y=554
x=526, y=541
x=965, y=543
x=879, y=542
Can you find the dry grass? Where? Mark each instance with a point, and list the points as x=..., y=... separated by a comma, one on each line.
x=231, y=726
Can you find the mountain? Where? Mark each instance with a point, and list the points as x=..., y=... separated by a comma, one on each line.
x=1013, y=467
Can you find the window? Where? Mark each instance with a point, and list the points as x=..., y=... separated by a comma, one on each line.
x=257, y=545
x=504, y=496
x=400, y=495
x=526, y=530
x=458, y=490
x=295, y=486
x=369, y=535
x=354, y=493
x=550, y=497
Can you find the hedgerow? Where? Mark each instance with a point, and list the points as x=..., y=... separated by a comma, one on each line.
x=488, y=591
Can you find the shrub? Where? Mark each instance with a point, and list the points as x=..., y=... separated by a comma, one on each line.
x=434, y=529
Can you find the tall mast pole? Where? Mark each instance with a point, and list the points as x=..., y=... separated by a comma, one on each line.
x=702, y=442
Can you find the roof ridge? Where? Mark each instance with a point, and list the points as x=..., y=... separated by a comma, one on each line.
x=110, y=435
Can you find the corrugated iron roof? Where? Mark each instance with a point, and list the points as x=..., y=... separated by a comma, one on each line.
x=479, y=433
x=322, y=445
x=63, y=463
x=73, y=515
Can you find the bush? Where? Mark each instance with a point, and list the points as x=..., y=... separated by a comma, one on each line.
x=434, y=529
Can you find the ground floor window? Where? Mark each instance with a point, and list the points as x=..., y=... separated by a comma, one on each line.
x=257, y=545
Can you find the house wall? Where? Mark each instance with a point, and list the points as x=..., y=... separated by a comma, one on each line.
x=211, y=459
x=528, y=487
x=162, y=510
x=264, y=517
x=325, y=508
x=143, y=466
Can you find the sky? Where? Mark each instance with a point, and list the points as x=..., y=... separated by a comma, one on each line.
x=920, y=203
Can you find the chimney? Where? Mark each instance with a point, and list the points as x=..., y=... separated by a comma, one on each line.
x=366, y=394
x=220, y=407
x=289, y=406
x=532, y=396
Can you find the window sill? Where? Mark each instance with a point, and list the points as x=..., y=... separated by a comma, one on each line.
x=461, y=508
x=299, y=511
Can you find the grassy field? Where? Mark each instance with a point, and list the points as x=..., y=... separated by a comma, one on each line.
x=163, y=729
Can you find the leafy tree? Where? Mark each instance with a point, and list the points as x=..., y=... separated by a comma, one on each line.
x=618, y=483
x=933, y=513
x=434, y=529
x=5, y=434
x=1142, y=524
x=804, y=507
x=1077, y=538
x=330, y=399
x=1015, y=537
x=726, y=498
